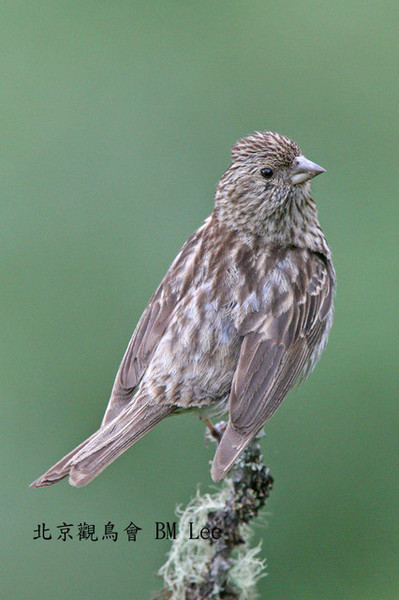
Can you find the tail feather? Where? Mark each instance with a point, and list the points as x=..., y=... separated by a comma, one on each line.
x=57, y=471
x=93, y=455
x=230, y=447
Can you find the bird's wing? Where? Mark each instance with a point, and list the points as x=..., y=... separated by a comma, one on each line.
x=276, y=352
x=277, y=348
x=151, y=328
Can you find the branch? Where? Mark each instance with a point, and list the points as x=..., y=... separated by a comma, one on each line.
x=223, y=566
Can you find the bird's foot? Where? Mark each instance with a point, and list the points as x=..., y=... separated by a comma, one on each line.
x=214, y=432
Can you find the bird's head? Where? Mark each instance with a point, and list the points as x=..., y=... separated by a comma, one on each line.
x=267, y=173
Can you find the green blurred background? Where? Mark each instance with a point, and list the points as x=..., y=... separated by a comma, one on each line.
x=117, y=119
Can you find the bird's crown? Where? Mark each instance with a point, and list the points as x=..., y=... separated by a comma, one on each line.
x=268, y=143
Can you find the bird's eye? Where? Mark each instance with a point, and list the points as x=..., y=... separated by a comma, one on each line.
x=266, y=172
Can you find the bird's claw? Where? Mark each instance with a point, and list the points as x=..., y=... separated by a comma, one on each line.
x=214, y=432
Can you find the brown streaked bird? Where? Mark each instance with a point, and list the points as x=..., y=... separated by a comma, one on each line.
x=243, y=312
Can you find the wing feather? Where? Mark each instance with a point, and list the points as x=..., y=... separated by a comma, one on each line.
x=152, y=326
x=273, y=356
x=281, y=342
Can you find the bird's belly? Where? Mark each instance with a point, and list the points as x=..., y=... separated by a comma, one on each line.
x=194, y=363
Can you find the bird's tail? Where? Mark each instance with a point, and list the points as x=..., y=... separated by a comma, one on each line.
x=93, y=455
x=230, y=447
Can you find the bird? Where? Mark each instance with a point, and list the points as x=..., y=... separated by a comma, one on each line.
x=242, y=314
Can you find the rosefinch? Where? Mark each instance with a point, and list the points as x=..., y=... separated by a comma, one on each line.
x=243, y=312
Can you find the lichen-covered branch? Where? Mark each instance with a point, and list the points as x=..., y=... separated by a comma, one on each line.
x=220, y=563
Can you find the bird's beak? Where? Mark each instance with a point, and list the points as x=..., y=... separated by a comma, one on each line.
x=304, y=169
